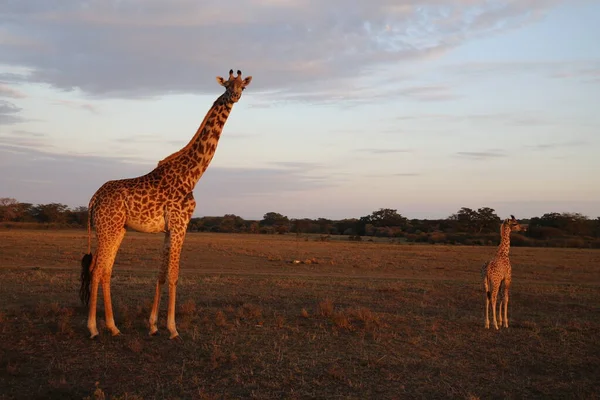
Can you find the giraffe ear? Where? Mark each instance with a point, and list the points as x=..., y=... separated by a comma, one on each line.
x=512, y=217
x=221, y=80
x=247, y=80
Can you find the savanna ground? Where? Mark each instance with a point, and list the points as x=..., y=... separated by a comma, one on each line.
x=354, y=320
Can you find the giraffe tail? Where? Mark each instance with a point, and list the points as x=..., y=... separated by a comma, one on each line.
x=486, y=282
x=86, y=278
x=87, y=260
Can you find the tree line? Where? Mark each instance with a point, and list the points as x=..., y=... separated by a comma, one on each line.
x=466, y=226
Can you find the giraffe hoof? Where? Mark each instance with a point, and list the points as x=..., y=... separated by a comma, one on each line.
x=117, y=333
x=154, y=333
x=176, y=338
x=93, y=336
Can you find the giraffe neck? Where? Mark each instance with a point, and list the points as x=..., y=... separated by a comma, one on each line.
x=192, y=160
x=504, y=247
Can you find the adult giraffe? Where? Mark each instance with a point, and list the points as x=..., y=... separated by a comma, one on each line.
x=160, y=201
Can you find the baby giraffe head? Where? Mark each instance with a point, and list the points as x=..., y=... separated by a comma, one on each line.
x=234, y=85
x=511, y=225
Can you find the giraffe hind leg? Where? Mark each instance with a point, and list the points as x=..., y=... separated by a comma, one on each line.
x=505, y=302
x=108, y=245
x=494, y=301
x=501, y=294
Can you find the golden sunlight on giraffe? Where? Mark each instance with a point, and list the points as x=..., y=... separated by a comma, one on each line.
x=496, y=275
x=160, y=201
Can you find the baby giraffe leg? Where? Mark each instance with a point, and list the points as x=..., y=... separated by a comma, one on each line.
x=505, y=301
x=486, y=289
x=501, y=294
x=494, y=301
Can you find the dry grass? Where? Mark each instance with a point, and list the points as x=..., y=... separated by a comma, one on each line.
x=361, y=320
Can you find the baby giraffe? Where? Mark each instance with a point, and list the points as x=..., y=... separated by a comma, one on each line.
x=496, y=275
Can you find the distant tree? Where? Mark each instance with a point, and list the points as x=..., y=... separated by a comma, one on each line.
x=346, y=226
x=486, y=220
x=385, y=217
x=465, y=220
x=53, y=212
x=273, y=218
x=301, y=225
x=231, y=223
x=326, y=226
x=9, y=209
x=279, y=223
x=568, y=223
x=254, y=227
x=78, y=216
x=596, y=227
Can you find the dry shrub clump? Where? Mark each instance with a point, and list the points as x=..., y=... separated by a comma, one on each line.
x=325, y=308
x=366, y=316
x=341, y=320
x=220, y=319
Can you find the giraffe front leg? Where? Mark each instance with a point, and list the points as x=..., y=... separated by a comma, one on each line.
x=171, y=309
x=178, y=220
x=176, y=241
x=501, y=294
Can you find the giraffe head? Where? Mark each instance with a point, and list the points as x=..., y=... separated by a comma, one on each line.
x=511, y=225
x=234, y=85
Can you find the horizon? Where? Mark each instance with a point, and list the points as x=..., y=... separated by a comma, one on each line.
x=422, y=107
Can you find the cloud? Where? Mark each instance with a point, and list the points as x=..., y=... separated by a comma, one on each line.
x=399, y=175
x=589, y=74
x=584, y=70
x=22, y=132
x=407, y=174
x=134, y=49
x=513, y=119
x=77, y=105
x=9, y=113
x=385, y=151
x=481, y=155
x=72, y=178
x=555, y=146
x=428, y=93
x=296, y=165
x=7, y=91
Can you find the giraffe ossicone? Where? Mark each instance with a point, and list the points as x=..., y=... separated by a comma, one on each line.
x=160, y=201
x=497, y=275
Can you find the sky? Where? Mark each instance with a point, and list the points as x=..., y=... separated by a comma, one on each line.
x=420, y=106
